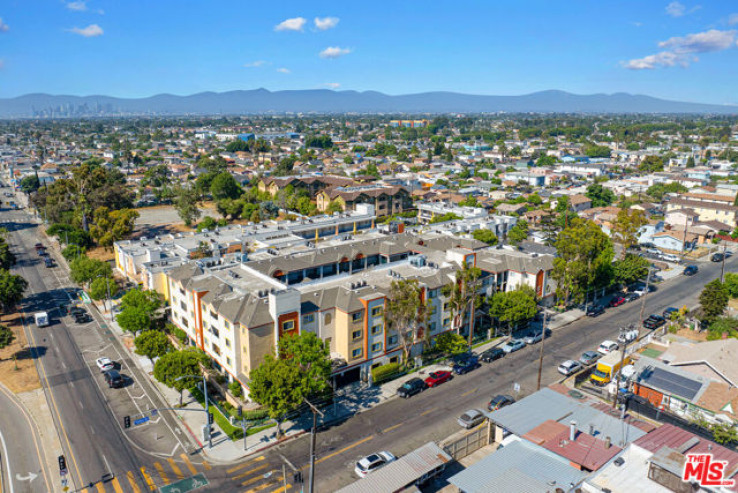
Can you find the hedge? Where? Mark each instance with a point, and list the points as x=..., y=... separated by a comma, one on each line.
x=386, y=372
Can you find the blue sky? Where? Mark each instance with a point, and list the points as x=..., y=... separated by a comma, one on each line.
x=130, y=48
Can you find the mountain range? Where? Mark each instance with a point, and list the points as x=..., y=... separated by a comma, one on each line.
x=328, y=101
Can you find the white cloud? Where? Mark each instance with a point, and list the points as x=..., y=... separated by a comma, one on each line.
x=283, y=70
x=79, y=6
x=325, y=23
x=90, y=31
x=332, y=85
x=733, y=19
x=257, y=63
x=334, y=52
x=4, y=27
x=675, y=9
x=293, y=24
x=680, y=50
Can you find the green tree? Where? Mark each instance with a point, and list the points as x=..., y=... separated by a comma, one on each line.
x=451, y=343
x=230, y=207
x=101, y=287
x=651, y=164
x=629, y=269
x=690, y=162
x=111, y=226
x=12, y=287
x=173, y=365
x=599, y=195
x=152, y=344
x=463, y=297
x=518, y=233
x=7, y=257
x=714, y=299
x=731, y=284
x=334, y=206
x=186, y=203
x=514, y=307
x=597, y=151
x=84, y=269
x=6, y=336
x=626, y=227
x=147, y=300
x=30, y=184
x=658, y=190
x=224, y=186
x=406, y=313
x=449, y=216
x=545, y=160
x=134, y=320
x=485, y=236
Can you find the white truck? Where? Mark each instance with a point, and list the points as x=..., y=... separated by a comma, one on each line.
x=42, y=319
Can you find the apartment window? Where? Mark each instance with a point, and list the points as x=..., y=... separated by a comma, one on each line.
x=228, y=361
x=181, y=291
x=377, y=329
x=377, y=311
x=392, y=340
x=214, y=315
x=447, y=322
x=288, y=325
x=376, y=347
x=358, y=316
x=433, y=293
x=216, y=349
x=228, y=343
x=328, y=319
x=227, y=324
x=356, y=334
x=215, y=332
x=308, y=318
x=183, y=305
x=356, y=353
x=445, y=307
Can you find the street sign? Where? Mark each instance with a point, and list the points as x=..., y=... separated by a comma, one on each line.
x=141, y=421
x=185, y=485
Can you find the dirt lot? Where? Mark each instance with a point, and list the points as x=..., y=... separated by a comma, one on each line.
x=100, y=253
x=18, y=375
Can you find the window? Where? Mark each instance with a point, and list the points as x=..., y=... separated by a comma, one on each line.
x=227, y=324
x=356, y=353
x=376, y=347
x=228, y=361
x=308, y=318
x=445, y=307
x=433, y=293
x=377, y=311
x=183, y=305
x=392, y=340
x=377, y=329
x=227, y=343
x=288, y=325
x=356, y=334
x=327, y=319
x=215, y=331
x=216, y=349
x=181, y=291
x=214, y=315
x=432, y=326
x=447, y=322
x=358, y=316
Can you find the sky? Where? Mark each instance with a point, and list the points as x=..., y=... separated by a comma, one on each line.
x=680, y=50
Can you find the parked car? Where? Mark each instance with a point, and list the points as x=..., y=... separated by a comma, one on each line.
x=690, y=270
x=105, y=364
x=668, y=311
x=537, y=336
x=513, y=345
x=628, y=336
x=113, y=378
x=569, y=366
x=631, y=297
x=37, y=246
x=717, y=257
x=728, y=253
x=436, y=378
x=670, y=257
x=640, y=288
x=411, y=387
x=589, y=357
x=492, y=354
x=49, y=262
x=654, y=322
x=595, y=310
x=607, y=347
x=75, y=310
x=499, y=402
x=466, y=365
x=373, y=462
x=471, y=418
x=82, y=318
x=616, y=301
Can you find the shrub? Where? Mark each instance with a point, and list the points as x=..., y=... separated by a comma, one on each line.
x=385, y=372
x=235, y=389
x=255, y=414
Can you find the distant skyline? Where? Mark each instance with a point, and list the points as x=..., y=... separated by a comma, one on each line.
x=679, y=50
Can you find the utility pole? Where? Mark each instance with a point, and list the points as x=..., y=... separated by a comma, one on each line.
x=722, y=267
x=543, y=341
x=316, y=411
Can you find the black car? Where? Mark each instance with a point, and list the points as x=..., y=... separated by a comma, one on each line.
x=76, y=310
x=492, y=354
x=82, y=318
x=654, y=322
x=466, y=365
x=411, y=387
x=499, y=402
x=49, y=262
x=595, y=310
x=114, y=379
x=690, y=270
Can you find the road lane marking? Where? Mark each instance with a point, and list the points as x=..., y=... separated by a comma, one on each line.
x=206, y=465
x=131, y=480
x=282, y=489
x=241, y=466
x=175, y=468
x=470, y=392
x=257, y=478
x=344, y=449
x=250, y=472
x=7, y=464
x=189, y=465
x=387, y=430
x=148, y=479
x=428, y=411
x=162, y=473
x=262, y=486
x=116, y=485
x=100, y=488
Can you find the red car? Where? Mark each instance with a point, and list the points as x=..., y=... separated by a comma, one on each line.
x=617, y=301
x=437, y=378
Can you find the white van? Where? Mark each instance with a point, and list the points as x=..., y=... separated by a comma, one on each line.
x=41, y=318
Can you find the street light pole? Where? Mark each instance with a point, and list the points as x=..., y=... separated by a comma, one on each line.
x=543, y=341
x=315, y=411
x=207, y=403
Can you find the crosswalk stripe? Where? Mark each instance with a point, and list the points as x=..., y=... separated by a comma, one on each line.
x=249, y=472
x=160, y=470
x=83, y=490
x=116, y=485
x=282, y=488
x=206, y=465
x=263, y=486
x=241, y=466
x=131, y=480
x=175, y=468
x=188, y=464
x=253, y=480
x=148, y=479
x=100, y=488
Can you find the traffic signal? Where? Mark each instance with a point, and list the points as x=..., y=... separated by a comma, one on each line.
x=210, y=418
x=127, y=422
x=62, y=463
x=297, y=477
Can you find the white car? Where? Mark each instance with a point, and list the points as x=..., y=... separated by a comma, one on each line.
x=373, y=462
x=628, y=336
x=105, y=364
x=607, y=347
x=569, y=366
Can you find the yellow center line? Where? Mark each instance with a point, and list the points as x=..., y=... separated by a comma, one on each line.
x=344, y=449
x=254, y=479
x=241, y=466
x=131, y=480
x=282, y=489
x=428, y=411
x=469, y=392
x=249, y=472
x=160, y=470
x=188, y=463
x=387, y=430
x=116, y=485
x=175, y=468
x=148, y=479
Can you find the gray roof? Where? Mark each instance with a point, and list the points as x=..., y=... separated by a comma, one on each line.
x=522, y=467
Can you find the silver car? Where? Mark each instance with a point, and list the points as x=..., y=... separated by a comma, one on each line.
x=513, y=345
x=471, y=418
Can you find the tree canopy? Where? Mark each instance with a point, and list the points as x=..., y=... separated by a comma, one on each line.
x=152, y=344
x=12, y=288
x=485, y=236
x=513, y=307
x=714, y=299
x=599, y=195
